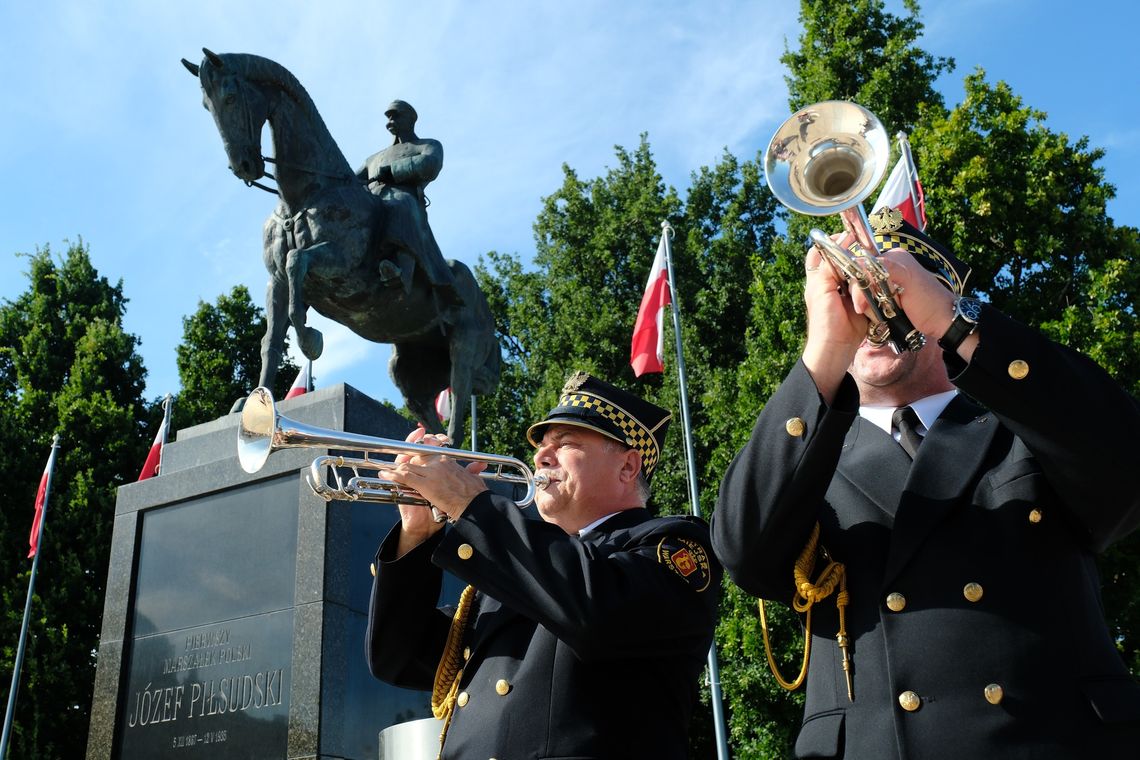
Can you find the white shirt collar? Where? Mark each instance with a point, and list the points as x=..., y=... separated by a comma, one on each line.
x=928, y=410
x=595, y=524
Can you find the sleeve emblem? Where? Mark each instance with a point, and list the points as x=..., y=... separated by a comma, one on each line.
x=687, y=559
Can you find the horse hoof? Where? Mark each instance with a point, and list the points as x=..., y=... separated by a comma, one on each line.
x=311, y=342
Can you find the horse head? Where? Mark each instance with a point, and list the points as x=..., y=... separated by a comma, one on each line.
x=239, y=107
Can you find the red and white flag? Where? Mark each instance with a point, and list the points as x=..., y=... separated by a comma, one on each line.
x=304, y=382
x=150, y=467
x=443, y=405
x=897, y=194
x=41, y=501
x=647, y=349
x=34, y=536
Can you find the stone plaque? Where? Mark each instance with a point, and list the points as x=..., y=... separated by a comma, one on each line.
x=212, y=636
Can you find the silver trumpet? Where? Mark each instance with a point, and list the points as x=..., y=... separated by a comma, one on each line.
x=264, y=430
x=826, y=159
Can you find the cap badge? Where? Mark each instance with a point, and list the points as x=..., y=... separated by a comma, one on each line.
x=886, y=220
x=574, y=382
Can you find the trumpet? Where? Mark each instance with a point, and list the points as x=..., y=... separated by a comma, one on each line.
x=826, y=159
x=263, y=430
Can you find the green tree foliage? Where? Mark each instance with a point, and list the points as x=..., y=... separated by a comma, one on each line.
x=595, y=243
x=1020, y=203
x=66, y=367
x=219, y=359
x=856, y=50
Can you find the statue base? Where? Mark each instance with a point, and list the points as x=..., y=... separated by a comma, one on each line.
x=236, y=604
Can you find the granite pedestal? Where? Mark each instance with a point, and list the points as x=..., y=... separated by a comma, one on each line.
x=236, y=604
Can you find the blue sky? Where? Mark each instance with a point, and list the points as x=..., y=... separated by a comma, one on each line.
x=105, y=139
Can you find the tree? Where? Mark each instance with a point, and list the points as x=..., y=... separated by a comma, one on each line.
x=595, y=243
x=219, y=359
x=856, y=50
x=66, y=367
x=1018, y=202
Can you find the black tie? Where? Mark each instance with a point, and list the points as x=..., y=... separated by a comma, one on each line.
x=907, y=423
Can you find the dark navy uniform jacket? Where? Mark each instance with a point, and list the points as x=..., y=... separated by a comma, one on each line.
x=975, y=616
x=581, y=648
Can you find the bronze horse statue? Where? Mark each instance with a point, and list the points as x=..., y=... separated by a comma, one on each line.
x=325, y=240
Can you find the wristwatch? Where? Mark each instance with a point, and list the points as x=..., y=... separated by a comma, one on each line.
x=967, y=311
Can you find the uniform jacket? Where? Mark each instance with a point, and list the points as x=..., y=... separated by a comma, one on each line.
x=1014, y=494
x=581, y=648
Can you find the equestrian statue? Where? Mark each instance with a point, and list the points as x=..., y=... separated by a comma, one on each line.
x=355, y=246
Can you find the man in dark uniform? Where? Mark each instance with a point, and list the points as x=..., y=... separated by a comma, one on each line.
x=398, y=175
x=973, y=617
x=589, y=628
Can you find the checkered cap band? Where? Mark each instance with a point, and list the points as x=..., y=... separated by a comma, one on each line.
x=941, y=267
x=637, y=436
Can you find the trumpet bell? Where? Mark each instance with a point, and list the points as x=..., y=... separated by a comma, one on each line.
x=826, y=158
x=256, y=431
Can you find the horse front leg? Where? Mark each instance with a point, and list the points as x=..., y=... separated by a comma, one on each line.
x=309, y=339
x=462, y=372
x=276, y=323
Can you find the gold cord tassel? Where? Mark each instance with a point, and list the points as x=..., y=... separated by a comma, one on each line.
x=807, y=594
x=449, y=673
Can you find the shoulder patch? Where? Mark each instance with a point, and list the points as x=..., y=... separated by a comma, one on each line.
x=686, y=558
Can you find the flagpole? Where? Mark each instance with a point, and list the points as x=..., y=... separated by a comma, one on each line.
x=474, y=437
x=694, y=500
x=167, y=404
x=28, y=605
x=912, y=179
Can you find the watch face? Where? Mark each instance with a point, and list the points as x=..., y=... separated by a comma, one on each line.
x=970, y=309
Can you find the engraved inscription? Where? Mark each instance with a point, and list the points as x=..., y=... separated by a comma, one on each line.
x=203, y=686
x=228, y=694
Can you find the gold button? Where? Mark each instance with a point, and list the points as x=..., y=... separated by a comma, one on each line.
x=910, y=701
x=973, y=592
x=372, y=567
x=466, y=653
x=794, y=426
x=896, y=601
x=994, y=694
x=1018, y=369
x=465, y=551
x=1035, y=515
x=502, y=687
x=461, y=700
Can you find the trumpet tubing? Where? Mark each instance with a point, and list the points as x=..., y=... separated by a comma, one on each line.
x=263, y=430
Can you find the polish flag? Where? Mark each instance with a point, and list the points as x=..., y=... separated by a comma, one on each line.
x=443, y=405
x=34, y=536
x=647, y=349
x=150, y=466
x=896, y=194
x=153, y=461
x=303, y=383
